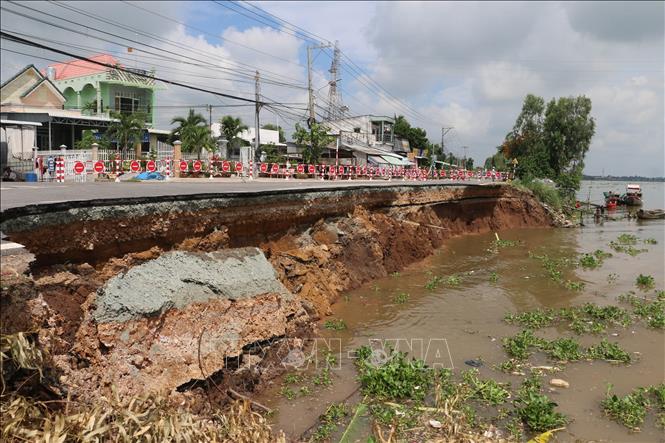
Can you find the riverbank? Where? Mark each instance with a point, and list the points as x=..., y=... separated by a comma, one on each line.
x=320, y=246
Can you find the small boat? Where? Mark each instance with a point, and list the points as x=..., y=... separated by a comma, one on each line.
x=653, y=214
x=612, y=199
x=633, y=196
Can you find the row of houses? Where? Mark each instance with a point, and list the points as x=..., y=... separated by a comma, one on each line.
x=47, y=109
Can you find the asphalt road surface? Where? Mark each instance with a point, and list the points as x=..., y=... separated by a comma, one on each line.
x=22, y=194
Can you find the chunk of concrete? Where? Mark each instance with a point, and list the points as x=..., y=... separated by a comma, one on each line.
x=178, y=279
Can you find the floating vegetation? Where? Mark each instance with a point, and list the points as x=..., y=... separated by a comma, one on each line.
x=329, y=420
x=454, y=280
x=536, y=410
x=645, y=282
x=525, y=343
x=651, y=311
x=395, y=274
x=396, y=378
x=588, y=318
x=335, y=324
x=488, y=391
x=650, y=241
x=494, y=277
x=589, y=261
x=433, y=283
x=626, y=243
x=554, y=268
x=612, y=278
x=499, y=243
x=629, y=410
x=401, y=298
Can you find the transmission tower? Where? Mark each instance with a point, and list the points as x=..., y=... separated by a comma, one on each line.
x=335, y=107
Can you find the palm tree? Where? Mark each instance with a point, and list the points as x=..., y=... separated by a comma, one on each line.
x=198, y=138
x=192, y=132
x=126, y=129
x=231, y=127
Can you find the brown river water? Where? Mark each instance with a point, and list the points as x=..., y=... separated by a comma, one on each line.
x=451, y=324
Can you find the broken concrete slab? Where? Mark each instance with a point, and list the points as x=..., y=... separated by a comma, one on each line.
x=178, y=279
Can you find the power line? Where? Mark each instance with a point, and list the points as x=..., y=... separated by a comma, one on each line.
x=23, y=41
x=233, y=71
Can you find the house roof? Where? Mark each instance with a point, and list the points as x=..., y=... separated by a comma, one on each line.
x=45, y=82
x=18, y=74
x=80, y=68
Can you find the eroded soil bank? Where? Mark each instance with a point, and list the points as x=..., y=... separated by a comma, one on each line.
x=205, y=334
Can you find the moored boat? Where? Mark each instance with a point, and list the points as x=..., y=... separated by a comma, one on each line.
x=653, y=214
x=612, y=199
x=633, y=195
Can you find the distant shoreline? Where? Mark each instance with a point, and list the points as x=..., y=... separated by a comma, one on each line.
x=633, y=178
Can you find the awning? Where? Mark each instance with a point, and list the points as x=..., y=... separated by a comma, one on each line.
x=396, y=161
x=19, y=123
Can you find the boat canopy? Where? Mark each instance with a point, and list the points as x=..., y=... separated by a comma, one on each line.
x=633, y=187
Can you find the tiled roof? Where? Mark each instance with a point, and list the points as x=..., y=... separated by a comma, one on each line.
x=79, y=68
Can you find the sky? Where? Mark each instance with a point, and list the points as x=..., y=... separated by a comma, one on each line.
x=441, y=64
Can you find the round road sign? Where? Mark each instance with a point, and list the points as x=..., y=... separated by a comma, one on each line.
x=275, y=168
x=226, y=166
x=99, y=167
x=79, y=167
x=311, y=169
x=301, y=169
x=135, y=166
x=238, y=167
x=264, y=167
x=183, y=166
x=151, y=166
x=196, y=166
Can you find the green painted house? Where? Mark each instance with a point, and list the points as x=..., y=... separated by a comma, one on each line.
x=97, y=90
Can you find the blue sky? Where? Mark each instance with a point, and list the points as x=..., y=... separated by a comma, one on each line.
x=461, y=64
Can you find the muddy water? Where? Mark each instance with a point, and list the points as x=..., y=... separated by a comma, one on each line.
x=467, y=319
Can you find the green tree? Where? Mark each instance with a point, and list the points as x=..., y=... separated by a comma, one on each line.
x=313, y=141
x=231, y=128
x=568, y=130
x=126, y=129
x=469, y=164
x=193, y=133
x=402, y=127
x=551, y=141
x=282, y=137
x=88, y=138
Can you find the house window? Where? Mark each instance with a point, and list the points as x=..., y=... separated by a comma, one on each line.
x=356, y=130
x=126, y=104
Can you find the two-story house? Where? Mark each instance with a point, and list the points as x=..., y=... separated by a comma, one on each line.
x=97, y=90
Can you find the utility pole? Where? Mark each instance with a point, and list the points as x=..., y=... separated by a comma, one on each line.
x=465, y=148
x=444, y=131
x=209, y=117
x=312, y=114
x=257, y=138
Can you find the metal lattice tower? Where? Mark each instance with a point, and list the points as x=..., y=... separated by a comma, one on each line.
x=336, y=108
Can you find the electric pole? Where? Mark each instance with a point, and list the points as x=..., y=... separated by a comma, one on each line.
x=465, y=148
x=257, y=138
x=312, y=114
x=444, y=131
x=209, y=117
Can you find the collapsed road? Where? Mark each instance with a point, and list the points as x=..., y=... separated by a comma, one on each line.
x=162, y=294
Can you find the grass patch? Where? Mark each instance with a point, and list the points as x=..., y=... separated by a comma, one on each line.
x=546, y=194
x=454, y=280
x=536, y=319
x=608, y=351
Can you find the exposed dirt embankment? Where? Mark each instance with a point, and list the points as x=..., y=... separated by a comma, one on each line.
x=169, y=299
